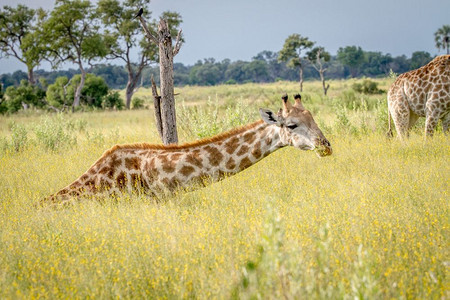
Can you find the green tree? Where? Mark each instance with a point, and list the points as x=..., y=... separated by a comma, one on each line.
x=318, y=57
x=61, y=93
x=20, y=36
x=292, y=53
x=126, y=37
x=23, y=96
x=73, y=35
x=442, y=38
x=352, y=57
x=419, y=59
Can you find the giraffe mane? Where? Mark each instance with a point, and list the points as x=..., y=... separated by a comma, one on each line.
x=175, y=147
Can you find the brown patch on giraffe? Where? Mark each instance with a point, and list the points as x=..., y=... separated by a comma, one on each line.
x=243, y=150
x=175, y=157
x=215, y=156
x=75, y=184
x=256, y=152
x=133, y=163
x=231, y=145
x=105, y=170
x=84, y=177
x=268, y=140
x=187, y=170
x=115, y=162
x=194, y=159
x=231, y=164
x=168, y=166
x=249, y=137
x=63, y=191
x=245, y=163
x=150, y=170
x=121, y=180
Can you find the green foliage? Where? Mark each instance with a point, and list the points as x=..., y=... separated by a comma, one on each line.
x=62, y=92
x=367, y=87
x=72, y=33
x=19, y=35
x=352, y=57
x=19, y=137
x=57, y=93
x=137, y=103
x=95, y=88
x=442, y=38
x=113, y=100
x=55, y=133
x=199, y=121
x=419, y=59
x=23, y=95
x=292, y=49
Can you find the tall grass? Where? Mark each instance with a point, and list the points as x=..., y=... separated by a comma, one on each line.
x=370, y=221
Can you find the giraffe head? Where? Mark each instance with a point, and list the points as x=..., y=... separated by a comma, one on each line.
x=297, y=127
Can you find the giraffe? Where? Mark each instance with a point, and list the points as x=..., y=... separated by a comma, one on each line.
x=424, y=92
x=157, y=169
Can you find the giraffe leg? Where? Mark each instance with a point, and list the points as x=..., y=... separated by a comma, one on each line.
x=446, y=122
x=400, y=115
x=430, y=124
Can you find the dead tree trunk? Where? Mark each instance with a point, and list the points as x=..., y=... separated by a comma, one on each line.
x=166, y=102
x=319, y=68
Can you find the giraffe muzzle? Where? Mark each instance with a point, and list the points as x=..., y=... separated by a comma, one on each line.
x=324, y=148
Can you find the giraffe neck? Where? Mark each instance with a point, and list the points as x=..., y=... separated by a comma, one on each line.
x=241, y=150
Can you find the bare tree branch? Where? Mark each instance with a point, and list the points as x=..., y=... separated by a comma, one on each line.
x=147, y=31
x=177, y=44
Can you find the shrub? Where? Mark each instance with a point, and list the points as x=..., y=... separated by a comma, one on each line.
x=231, y=81
x=19, y=137
x=113, y=100
x=368, y=87
x=137, y=103
x=62, y=92
x=55, y=133
x=23, y=95
x=200, y=121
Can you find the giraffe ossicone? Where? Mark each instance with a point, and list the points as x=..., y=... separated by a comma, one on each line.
x=156, y=169
x=424, y=92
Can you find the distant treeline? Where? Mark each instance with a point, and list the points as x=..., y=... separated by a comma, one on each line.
x=264, y=67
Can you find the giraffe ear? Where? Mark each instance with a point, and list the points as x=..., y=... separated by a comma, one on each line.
x=270, y=118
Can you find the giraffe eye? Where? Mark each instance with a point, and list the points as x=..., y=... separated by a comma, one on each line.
x=293, y=126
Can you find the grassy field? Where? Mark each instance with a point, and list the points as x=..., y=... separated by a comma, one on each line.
x=371, y=221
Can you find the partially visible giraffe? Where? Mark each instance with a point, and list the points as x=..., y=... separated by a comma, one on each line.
x=156, y=169
x=424, y=92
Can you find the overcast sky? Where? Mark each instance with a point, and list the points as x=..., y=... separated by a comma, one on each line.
x=240, y=29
